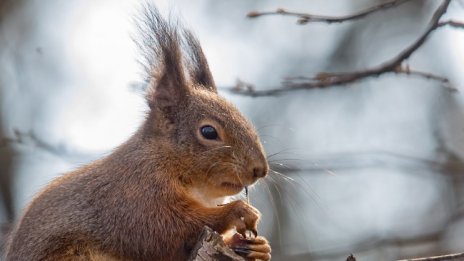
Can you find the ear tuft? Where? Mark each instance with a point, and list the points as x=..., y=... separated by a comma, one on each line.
x=161, y=48
x=198, y=67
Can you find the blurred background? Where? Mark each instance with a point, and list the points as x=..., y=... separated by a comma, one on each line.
x=375, y=168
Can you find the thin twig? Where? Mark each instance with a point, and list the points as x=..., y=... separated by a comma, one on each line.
x=427, y=75
x=452, y=23
x=61, y=150
x=392, y=66
x=454, y=257
x=304, y=18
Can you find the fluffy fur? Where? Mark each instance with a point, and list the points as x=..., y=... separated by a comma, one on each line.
x=148, y=200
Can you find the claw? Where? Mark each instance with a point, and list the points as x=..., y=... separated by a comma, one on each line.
x=242, y=233
x=247, y=234
x=248, y=241
x=255, y=232
x=242, y=250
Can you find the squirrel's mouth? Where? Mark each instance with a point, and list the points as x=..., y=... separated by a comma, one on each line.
x=232, y=186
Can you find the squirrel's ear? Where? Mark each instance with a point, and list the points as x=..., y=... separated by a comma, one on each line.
x=168, y=91
x=198, y=67
x=168, y=86
x=161, y=46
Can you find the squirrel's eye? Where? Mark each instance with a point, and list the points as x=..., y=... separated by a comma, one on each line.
x=209, y=132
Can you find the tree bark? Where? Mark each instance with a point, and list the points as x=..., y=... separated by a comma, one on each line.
x=211, y=247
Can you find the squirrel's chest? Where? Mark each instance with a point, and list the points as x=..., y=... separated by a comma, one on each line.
x=207, y=200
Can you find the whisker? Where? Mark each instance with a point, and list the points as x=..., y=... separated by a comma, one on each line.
x=216, y=148
x=282, y=165
x=267, y=136
x=269, y=125
x=235, y=165
x=275, y=212
x=305, y=188
x=208, y=172
x=292, y=206
x=276, y=187
x=238, y=177
x=285, y=159
x=313, y=195
x=284, y=151
x=282, y=175
x=273, y=154
x=194, y=166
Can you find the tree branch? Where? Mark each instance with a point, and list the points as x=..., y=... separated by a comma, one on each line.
x=211, y=247
x=304, y=18
x=452, y=23
x=392, y=66
x=60, y=150
x=454, y=257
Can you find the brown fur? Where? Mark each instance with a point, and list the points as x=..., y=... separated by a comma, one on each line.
x=137, y=203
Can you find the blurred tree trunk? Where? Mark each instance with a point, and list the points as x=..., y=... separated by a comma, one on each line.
x=7, y=7
x=6, y=181
x=7, y=154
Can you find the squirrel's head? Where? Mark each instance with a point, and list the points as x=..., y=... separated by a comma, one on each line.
x=214, y=147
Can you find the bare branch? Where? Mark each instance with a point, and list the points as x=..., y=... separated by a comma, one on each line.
x=392, y=66
x=426, y=75
x=452, y=23
x=60, y=150
x=304, y=18
x=454, y=257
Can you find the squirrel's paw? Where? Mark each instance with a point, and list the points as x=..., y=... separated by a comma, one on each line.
x=244, y=218
x=256, y=248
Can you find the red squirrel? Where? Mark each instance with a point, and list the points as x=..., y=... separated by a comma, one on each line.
x=150, y=198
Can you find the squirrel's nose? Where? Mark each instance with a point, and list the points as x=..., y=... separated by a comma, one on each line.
x=259, y=171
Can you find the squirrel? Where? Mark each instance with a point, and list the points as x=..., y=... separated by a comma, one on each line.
x=151, y=197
